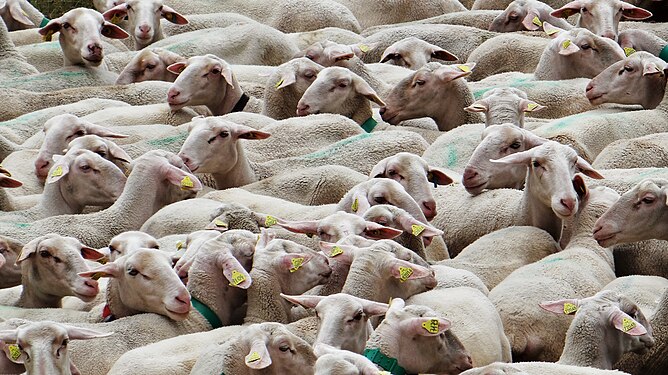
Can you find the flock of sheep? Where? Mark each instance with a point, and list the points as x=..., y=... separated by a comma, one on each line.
x=252, y=187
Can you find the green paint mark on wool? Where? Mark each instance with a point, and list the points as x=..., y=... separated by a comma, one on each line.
x=336, y=147
x=44, y=77
x=452, y=155
x=550, y=260
x=22, y=225
x=181, y=137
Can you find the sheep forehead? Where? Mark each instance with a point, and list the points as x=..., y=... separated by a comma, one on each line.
x=503, y=92
x=35, y=332
x=333, y=73
x=145, y=3
x=89, y=142
x=147, y=260
x=413, y=311
x=83, y=16
x=650, y=185
x=340, y=304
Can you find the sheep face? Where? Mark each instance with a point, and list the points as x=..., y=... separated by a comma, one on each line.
x=602, y=16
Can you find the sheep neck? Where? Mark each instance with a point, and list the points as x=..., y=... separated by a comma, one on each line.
x=449, y=114
x=240, y=174
x=538, y=214
x=7, y=48
x=361, y=109
x=54, y=202
x=263, y=299
x=226, y=98
x=583, y=348
x=31, y=296
x=205, y=277
x=357, y=66
x=6, y=203
x=115, y=302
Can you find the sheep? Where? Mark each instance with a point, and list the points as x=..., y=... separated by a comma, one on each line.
x=413, y=53
x=42, y=346
x=498, y=141
x=508, y=52
x=336, y=361
x=641, y=40
x=49, y=267
x=504, y=105
x=213, y=147
x=204, y=21
x=338, y=90
x=80, y=36
x=474, y=320
x=494, y=256
x=21, y=15
x=12, y=63
x=379, y=13
x=543, y=206
x=10, y=272
x=149, y=64
x=204, y=80
x=144, y=19
x=104, y=5
x=343, y=320
x=643, y=71
x=538, y=368
x=642, y=152
x=260, y=347
x=286, y=85
x=432, y=81
x=429, y=334
x=636, y=216
x=601, y=17
x=80, y=178
x=580, y=270
x=605, y=326
x=146, y=191
x=526, y=15
x=645, y=291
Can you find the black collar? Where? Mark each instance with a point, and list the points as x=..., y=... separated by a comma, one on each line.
x=241, y=104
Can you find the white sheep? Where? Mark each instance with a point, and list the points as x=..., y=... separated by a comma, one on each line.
x=507, y=105
x=374, y=13
x=640, y=152
x=601, y=17
x=339, y=362
x=526, y=15
x=643, y=290
x=20, y=15
x=149, y=64
x=539, y=368
x=413, y=53
x=286, y=85
x=144, y=19
x=9, y=270
x=12, y=63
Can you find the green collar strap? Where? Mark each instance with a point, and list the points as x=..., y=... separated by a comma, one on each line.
x=369, y=124
x=207, y=313
x=385, y=362
x=44, y=22
x=664, y=53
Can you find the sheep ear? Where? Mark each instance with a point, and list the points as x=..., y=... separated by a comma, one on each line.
x=52, y=27
x=632, y=12
x=379, y=169
x=108, y=270
x=564, y=306
x=650, y=68
x=567, y=47
x=118, y=153
x=12, y=351
x=389, y=55
x=396, y=304
x=442, y=54
x=438, y=177
x=18, y=14
x=185, y=180
x=252, y=134
x=625, y=323
x=416, y=228
x=258, y=356
x=372, y=308
x=568, y=10
x=402, y=270
x=425, y=326
x=449, y=73
x=9, y=335
x=308, y=227
x=307, y=301
x=79, y=333
x=59, y=170
x=341, y=253
x=112, y=31
x=101, y=131
x=580, y=187
x=478, y=106
x=359, y=204
x=523, y=157
x=29, y=249
x=217, y=224
x=587, y=169
x=8, y=182
x=551, y=30
x=532, y=20
x=116, y=14
x=266, y=221
x=227, y=73
x=294, y=261
x=363, y=88
x=287, y=78
x=173, y=16
x=233, y=271
x=529, y=106
x=380, y=232
x=177, y=68
x=92, y=254
x=361, y=49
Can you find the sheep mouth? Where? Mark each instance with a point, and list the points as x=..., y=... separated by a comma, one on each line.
x=178, y=316
x=605, y=239
x=474, y=189
x=86, y=295
x=94, y=59
x=594, y=97
x=390, y=119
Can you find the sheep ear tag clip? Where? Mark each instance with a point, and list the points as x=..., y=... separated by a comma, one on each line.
x=269, y=221
x=628, y=51
x=570, y=308
x=253, y=357
x=296, y=264
x=116, y=19
x=405, y=273
x=336, y=250
x=416, y=229
x=186, y=183
x=536, y=21
x=14, y=352
x=57, y=172
x=431, y=326
x=47, y=37
x=628, y=324
x=237, y=278
x=355, y=205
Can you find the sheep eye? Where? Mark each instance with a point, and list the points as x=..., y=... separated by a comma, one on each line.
x=343, y=84
x=66, y=25
x=284, y=348
x=80, y=133
x=536, y=164
x=358, y=316
x=585, y=10
x=515, y=145
x=57, y=260
x=44, y=254
x=150, y=66
x=585, y=46
x=112, y=248
x=211, y=140
x=513, y=17
x=648, y=200
x=102, y=153
x=224, y=134
x=156, y=247
x=380, y=200
x=392, y=173
x=310, y=57
x=628, y=68
x=64, y=344
x=419, y=82
x=215, y=71
x=85, y=167
x=309, y=74
x=160, y=9
x=133, y=272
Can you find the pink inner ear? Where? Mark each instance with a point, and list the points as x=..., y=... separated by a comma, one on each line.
x=417, y=272
x=234, y=272
x=634, y=13
x=565, y=306
x=9, y=182
x=91, y=254
x=306, y=227
x=177, y=68
x=528, y=23
x=258, y=356
x=627, y=324
x=379, y=232
x=112, y=31
x=304, y=300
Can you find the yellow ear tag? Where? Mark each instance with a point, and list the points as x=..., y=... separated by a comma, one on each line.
x=97, y=275
x=102, y=260
x=566, y=43
x=169, y=17
x=116, y=19
x=187, y=183
x=253, y=357
x=364, y=48
x=464, y=68
x=47, y=37
x=384, y=373
x=179, y=245
x=269, y=221
x=219, y=223
x=405, y=273
x=355, y=205
x=280, y=82
x=296, y=264
x=536, y=21
x=570, y=308
x=416, y=229
x=629, y=51
x=628, y=324
x=57, y=172
x=551, y=32
x=14, y=352
x=237, y=278
x=531, y=106
x=431, y=325
x=336, y=251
